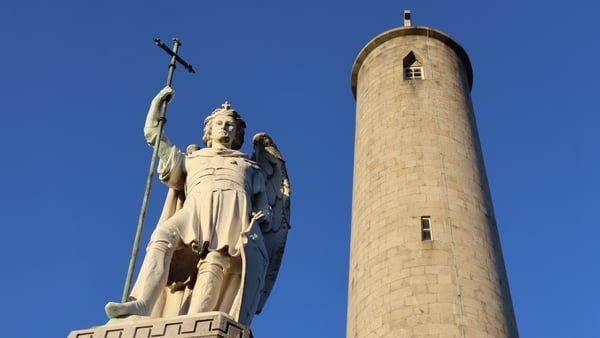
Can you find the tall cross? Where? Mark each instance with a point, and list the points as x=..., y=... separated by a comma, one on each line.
x=174, y=57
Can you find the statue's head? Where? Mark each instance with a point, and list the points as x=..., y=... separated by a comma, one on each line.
x=240, y=125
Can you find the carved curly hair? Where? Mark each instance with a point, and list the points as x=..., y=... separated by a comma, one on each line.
x=225, y=109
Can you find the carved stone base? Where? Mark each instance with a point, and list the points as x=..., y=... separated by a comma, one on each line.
x=202, y=325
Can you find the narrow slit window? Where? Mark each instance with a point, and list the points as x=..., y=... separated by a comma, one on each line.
x=425, y=228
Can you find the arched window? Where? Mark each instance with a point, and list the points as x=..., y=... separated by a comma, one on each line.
x=413, y=67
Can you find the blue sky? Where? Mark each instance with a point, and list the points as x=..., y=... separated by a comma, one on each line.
x=78, y=77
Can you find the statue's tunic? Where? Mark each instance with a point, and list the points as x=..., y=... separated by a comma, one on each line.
x=221, y=188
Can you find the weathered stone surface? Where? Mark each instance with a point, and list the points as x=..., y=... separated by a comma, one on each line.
x=203, y=325
x=417, y=155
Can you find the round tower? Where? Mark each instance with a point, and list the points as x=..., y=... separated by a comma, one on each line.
x=425, y=256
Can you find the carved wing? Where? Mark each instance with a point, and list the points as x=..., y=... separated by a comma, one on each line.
x=272, y=163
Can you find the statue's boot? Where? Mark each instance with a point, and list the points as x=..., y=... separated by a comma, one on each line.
x=151, y=280
x=209, y=282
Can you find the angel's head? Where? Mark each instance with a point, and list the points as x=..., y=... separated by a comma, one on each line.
x=225, y=127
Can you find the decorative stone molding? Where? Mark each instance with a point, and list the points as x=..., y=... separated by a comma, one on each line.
x=202, y=325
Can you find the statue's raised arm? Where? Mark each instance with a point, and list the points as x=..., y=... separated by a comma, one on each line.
x=171, y=167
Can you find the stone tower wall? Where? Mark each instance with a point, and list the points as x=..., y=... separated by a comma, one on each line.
x=417, y=154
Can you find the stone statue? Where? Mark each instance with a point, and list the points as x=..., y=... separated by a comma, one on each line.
x=220, y=239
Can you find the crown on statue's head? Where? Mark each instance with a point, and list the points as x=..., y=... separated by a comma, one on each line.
x=225, y=109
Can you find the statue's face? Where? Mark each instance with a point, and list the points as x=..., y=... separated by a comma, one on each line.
x=223, y=131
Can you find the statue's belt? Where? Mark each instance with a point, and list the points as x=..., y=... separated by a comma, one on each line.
x=216, y=185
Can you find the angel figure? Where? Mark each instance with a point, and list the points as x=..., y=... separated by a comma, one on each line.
x=220, y=239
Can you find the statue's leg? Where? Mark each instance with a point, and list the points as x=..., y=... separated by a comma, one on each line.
x=209, y=282
x=231, y=285
x=151, y=279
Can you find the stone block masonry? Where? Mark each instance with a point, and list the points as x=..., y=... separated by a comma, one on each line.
x=418, y=162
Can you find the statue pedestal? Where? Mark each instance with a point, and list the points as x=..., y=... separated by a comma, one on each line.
x=204, y=325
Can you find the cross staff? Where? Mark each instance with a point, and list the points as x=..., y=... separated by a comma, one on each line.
x=161, y=121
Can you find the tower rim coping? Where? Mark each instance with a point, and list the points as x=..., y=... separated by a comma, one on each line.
x=404, y=31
